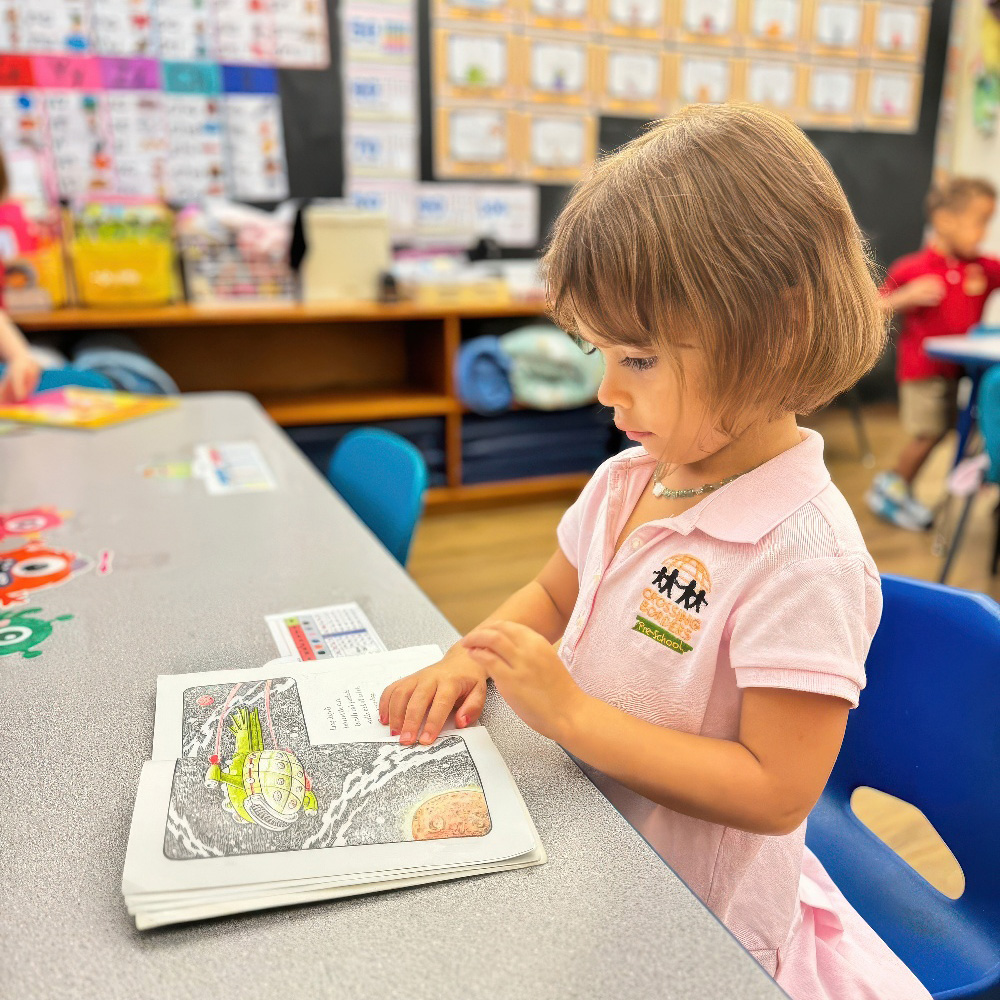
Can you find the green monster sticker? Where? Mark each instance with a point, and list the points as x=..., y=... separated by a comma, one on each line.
x=19, y=632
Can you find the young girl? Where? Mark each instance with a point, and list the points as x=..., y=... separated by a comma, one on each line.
x=711, y=588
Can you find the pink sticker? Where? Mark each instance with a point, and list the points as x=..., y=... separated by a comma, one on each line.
x=67, y=72
x=130, y=74
x=104, y=563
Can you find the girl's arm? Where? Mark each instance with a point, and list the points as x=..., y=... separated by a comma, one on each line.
x=20, y=377
x=543, y=606
x=765, y=781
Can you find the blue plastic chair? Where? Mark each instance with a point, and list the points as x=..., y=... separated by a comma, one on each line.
x=927, y=731
x=383, y=477
x=56, y=378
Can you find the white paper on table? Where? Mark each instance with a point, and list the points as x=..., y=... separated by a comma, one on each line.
x=326, y=689
x=890, y=95
x=477, y=60
x=558, y=142
x=324, y=633
x=771, y=83
x=123, y=28
x=228, y=467
x=196, y=164
x=709, y=17
x=140, y=140
x=255, y=146
x=775, y=20
x=705, y=80
x=634, y=76
x=831, y=90
x=380, y=91
x=897, y=28
x=511, y=834
x=838, y=24
x=476, y=136
x=380, y=149
x=508, y=213
x=636, y=13
x=558, y=67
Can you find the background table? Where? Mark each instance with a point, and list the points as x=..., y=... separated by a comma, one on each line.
x=192, y=577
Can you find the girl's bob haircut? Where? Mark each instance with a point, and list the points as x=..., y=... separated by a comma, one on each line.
x=723, y=226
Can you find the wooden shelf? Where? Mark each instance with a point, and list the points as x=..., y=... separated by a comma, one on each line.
x=324, y=363
x=532, y=488
x=337, y=407
x=262, y=314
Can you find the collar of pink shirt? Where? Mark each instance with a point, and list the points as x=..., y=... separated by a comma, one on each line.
x=749, y=507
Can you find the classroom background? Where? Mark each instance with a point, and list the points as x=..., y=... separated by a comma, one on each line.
x=337, y=207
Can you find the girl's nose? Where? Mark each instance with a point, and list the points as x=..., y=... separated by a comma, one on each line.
x=610, y=393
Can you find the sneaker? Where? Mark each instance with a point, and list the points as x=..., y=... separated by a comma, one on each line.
x=890, y=498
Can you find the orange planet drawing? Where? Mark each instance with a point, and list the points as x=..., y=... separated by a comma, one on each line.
x=461, y=813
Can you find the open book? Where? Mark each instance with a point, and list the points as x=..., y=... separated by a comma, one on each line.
x=279, y=785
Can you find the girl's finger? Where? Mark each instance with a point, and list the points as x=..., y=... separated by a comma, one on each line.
x=416, y=709
x=437, y=714
x=469, y=711
x=495, y=640
x=400, y=698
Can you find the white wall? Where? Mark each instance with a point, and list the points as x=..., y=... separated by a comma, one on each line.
x=965, y=150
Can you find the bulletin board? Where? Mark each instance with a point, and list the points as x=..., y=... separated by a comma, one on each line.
x=519, y=86
x=148, y=98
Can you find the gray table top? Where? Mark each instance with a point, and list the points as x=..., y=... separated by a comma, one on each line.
x=192, y=577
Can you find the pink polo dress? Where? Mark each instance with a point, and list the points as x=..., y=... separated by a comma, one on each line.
x=764, y=583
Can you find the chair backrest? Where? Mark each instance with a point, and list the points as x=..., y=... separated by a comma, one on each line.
x=56, y=378
x=989, y=418
x=928, y=728
x=382, y=476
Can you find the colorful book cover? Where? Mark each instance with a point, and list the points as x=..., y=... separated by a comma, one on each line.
x=73, y=406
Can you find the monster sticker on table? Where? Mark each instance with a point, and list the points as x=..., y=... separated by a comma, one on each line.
x=36, y=566
x=28, y=524
x=279, y=793
x=20, y=631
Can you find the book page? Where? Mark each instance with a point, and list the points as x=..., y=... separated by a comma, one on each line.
x=317, y=702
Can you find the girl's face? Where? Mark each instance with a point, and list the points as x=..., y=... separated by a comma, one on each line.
x=669, y=417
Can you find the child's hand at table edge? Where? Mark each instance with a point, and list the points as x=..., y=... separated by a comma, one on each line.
x=455, y=682
x=20, y=378
x=529, y=675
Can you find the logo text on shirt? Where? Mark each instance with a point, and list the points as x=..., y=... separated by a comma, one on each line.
x=678, y=588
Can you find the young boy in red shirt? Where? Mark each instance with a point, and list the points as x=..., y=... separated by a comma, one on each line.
x=941, y=290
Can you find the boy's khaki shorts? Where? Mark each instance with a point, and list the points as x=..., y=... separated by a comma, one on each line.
x=928, y=406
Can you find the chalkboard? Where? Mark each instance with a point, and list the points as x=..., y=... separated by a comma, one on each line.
x=885, y=175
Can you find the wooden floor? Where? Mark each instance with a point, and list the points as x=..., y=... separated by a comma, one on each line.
x=468, y=562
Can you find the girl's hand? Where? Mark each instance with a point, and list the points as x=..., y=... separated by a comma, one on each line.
x=927, y=290
x=528, y=674
x=456, y=680
x=20, y=378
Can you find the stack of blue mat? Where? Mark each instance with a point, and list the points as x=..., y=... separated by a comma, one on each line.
x=527, y=443
x=427, y=433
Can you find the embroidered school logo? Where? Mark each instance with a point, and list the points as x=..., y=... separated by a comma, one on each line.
x=672, y=602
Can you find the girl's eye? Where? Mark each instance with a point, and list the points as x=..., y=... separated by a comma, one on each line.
x=585, y=345
x=639, y=364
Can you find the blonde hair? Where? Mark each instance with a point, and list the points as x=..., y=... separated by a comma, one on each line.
x=723, y=224
x=954, y=193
